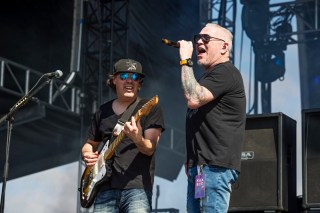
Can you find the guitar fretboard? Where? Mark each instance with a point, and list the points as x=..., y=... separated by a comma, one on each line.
x=143, y=111
x=110, y=152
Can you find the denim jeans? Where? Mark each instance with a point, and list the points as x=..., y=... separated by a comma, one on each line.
x=123, y=201
x=217, y=190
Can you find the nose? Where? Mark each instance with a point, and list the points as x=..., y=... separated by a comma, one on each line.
x=130, y=78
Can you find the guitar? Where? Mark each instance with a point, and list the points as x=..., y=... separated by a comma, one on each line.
x=93, y=177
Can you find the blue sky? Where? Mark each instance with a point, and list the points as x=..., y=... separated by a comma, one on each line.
x=55, y=190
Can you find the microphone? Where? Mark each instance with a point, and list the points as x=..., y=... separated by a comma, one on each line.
x=56, y=74
x=171, y=43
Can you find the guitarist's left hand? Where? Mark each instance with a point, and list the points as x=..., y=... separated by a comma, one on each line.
x=145, y=141
x=133, y=130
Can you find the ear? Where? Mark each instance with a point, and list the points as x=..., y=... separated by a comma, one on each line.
x=113, y=79
x=225, y=47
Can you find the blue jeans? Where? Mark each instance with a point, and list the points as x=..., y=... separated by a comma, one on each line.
x=123, y=200
x=217, y=190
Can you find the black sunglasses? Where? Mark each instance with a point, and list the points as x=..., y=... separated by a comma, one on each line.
x=205, y=38
x=134, y=76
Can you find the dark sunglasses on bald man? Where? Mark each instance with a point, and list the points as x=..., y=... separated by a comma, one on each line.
x=205, y=38
x=134, y=76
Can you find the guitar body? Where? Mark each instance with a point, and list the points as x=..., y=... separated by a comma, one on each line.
x=94, y=177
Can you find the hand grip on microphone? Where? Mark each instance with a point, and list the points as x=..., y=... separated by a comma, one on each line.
x=170, y=43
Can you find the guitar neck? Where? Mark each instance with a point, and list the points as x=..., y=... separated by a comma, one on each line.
x=112, y=148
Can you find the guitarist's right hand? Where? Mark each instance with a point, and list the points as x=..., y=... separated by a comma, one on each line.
x=90, y=158
x=90, y=152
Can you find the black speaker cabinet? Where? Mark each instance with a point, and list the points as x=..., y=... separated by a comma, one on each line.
x=168, y=171
x=267, y=181
x=311, y=158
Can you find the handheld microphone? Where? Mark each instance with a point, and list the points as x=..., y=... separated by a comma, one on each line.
x=170, y=43
x=56, y=74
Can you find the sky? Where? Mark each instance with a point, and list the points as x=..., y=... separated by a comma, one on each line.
x=55, y=190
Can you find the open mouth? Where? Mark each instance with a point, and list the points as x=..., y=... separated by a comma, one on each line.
x=201, y=50
x=129, y=88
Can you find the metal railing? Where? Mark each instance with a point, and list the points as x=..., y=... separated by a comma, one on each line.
x=18, y=80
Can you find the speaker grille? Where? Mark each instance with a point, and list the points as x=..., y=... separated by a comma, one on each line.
x=311, y=158
x=263, y=182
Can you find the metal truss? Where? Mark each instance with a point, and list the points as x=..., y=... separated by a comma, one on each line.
x=281, y=16
x=104, y=42
x=17, y=80
x=222, y=12
x=281, y=34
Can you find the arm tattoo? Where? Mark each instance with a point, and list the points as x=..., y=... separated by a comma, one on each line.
x=192, y=89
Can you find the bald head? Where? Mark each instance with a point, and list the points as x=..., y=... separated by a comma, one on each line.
x=221, y=33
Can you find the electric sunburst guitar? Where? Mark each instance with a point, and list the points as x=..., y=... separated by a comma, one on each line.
x=93, y=177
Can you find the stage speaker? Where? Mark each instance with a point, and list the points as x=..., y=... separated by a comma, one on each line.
x=267, y=181
x=168, y=163
x=311, y=158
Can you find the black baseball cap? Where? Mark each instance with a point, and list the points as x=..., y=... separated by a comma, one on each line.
x=127, y=65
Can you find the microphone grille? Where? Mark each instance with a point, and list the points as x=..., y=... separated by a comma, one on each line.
x=59, y=73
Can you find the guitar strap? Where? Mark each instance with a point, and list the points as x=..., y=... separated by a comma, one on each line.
x=125, y=117
x=119, y=126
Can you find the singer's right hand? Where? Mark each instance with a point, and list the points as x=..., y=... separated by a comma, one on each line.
x=186, y=49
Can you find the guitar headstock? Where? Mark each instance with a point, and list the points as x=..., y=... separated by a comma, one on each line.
x=146, y=108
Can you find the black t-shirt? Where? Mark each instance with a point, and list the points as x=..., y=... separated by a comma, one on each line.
x=131, y=169
x=215, y=131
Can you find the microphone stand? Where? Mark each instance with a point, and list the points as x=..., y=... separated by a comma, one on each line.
x=157, y=197
x=9, y=118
